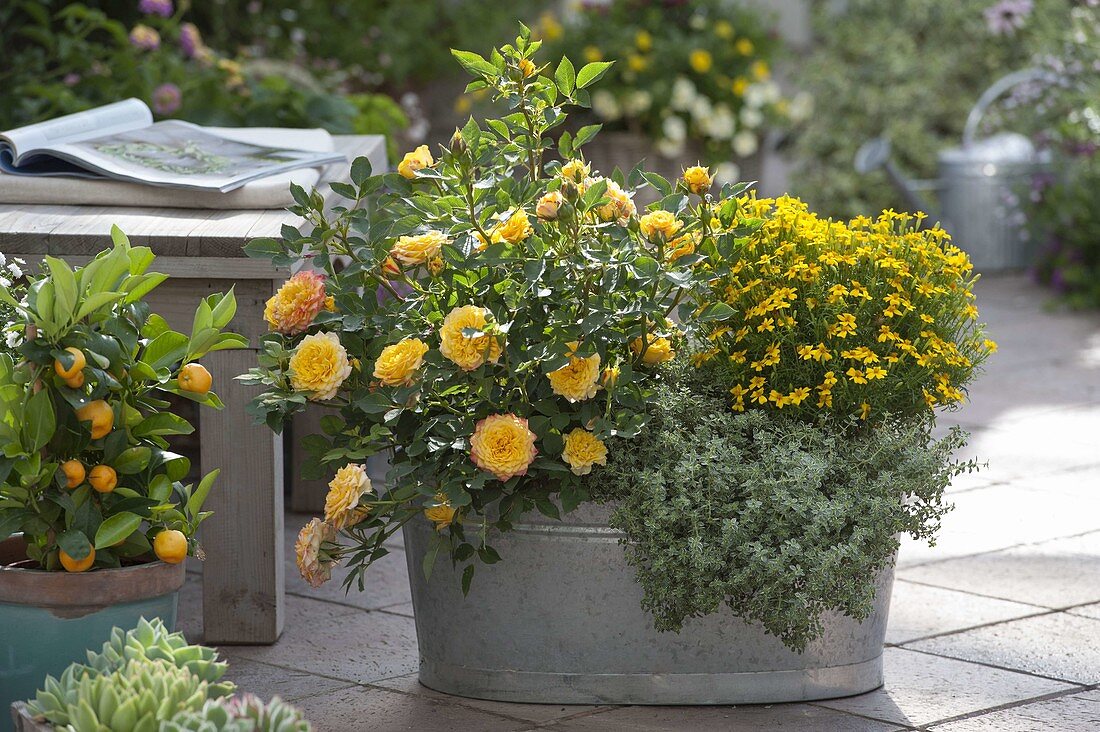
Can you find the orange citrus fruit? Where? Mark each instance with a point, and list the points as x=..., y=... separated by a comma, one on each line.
x=103, y=478
x=170, y=546
x=100, y=414
x=77, y=565
x=79, y=362
x=74, y=473
x=195, y=378
x=75, y=382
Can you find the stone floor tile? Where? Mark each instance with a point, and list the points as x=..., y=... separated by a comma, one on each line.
x=999, y=517
x=368, y=709
x=404, y=608
x=785, y=717
x=267, y=681
x=1087, y=611
x=1059, y=645
x=1078, y=712
x=914, y=692
x=918, y=611
x=540, y=713
x=340, y=642
x=1053, y=574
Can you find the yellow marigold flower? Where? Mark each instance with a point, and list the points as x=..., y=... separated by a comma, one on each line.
x=657, y=350
x=845, y=326
x=575, y=170
x=398, y=363
x=319, y=365
x=577, y=380
x=503, y=445
x=760, y=70
x=592, y=54
x=637, y=62
x=799, y=395
x=290, y=310
x=468, y=353
x=659, y=223
x=701, y=61
x=723, y=29
x=620, y=206
x=514, y=229
x=740, y=86
x=342, y=502
x=527, y=67
x=990, y=346
x=781, y=400
x=551, y=28
x=874, y=372
x=548, y=206
x=583, y=450
x=413, y=161
x=643, y=40
x=414, y=250
x=698, y=179
x=757, y=382
x=440, y=512
x=745, y=47
x=864, y=410
x=314, y=563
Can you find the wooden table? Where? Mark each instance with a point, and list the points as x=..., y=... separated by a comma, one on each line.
x=243, y=576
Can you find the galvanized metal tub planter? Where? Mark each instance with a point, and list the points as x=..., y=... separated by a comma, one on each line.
x=559, y=620
x=49, y=619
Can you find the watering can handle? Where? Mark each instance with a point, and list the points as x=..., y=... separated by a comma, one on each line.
x=999, y=87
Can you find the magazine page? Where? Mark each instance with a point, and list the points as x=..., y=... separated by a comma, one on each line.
x=21, y=149
x=183, y=155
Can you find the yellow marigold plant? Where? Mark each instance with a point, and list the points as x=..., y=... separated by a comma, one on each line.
x=501, y=315
x=864, y=319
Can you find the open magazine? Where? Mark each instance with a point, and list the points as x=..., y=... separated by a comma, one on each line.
x=122, y=142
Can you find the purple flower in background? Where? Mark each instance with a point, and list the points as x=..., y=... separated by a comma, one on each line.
x=70, y=79
x=190, y=40
x=1007, y=16
x=145, y=38
x=166, y=99
x=163, y=8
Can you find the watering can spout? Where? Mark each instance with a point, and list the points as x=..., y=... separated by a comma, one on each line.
x=875, y=154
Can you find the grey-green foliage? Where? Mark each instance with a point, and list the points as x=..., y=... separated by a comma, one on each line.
x=213, y=717
x=779, y=519
x=909, y=70
x=246, y=713
x=151, y=639
x=134, y=698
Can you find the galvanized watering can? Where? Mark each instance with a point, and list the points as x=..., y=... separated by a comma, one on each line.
x=979, y=185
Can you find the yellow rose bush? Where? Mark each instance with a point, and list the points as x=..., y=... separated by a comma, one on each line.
x=498, y=317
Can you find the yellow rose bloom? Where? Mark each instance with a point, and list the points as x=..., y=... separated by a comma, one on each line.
x=527, y=67
x=514, y=229
x=682, y=246
x=548, y=205
x=760, y=70
x=723, y=29
x=342, y=502
x=663, y=223
x=319, y=366
x=698, y=179
x=296, y=304
x=398, y=363
x=440, y=512
x=314, y=564
x=579, y=379
x=592, y=54
x=658, y=350
x=620, y=206
x=575, y=171
x=643, y=40
x=583, y=450
x=745, y=47
x=467, y=353
x=503, y=445
x=609, y=377
x=413, y=161
x=414, y=250
x=637, y=63
x=701, y=61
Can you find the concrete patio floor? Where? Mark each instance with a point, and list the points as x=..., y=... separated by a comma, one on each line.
x=996, y=628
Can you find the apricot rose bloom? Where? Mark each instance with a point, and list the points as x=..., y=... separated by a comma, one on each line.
x=414, y=250
x=440, y=512
x=548, y=205
x=514, y=229
x=314, y=563
x=579, y=379
x=319, y=366
x=658, y=350
x=583, y=450
x=663, y=223
x=342, y=507
x=575, y=171
x=468, y=353
x=503, y=445
x=398, y=363
x=698, y=179
x=413, y=161
x=620, y=206
x=291, y=310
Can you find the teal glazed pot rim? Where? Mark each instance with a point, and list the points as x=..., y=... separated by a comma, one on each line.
x=73, y=595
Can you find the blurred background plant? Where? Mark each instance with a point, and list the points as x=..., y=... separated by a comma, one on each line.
x=12, y=279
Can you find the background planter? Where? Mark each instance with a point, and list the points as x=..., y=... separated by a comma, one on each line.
x=559, y=620
x=50, y=619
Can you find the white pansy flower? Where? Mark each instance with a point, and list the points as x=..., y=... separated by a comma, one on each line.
x=638, y=102
x=745, y=143
x=721, y=125
x=802, y=106
x=683, y=94
x=727, y=173
x=752, y=118
x=670, y=148
x=701, y=109
x=605, y=105
x=674, y=128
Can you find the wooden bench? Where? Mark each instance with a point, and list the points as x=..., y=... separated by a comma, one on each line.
x=243, y=576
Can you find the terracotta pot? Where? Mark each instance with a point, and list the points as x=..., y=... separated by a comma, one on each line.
x=50, y=619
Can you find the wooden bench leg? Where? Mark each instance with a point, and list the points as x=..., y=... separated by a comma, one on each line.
x=243, y=578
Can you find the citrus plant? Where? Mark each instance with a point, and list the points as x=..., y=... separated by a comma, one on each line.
x=516, y=310
x=86, y=473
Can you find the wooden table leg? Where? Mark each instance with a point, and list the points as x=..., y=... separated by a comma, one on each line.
x=243, y=578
